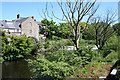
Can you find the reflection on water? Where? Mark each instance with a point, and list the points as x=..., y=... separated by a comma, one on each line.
x=16, y=69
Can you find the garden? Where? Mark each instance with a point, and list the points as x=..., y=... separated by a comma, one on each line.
x=53, y=59
x=59, y=62
x=73, y=49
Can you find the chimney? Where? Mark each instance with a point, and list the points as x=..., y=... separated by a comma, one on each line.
x=32, y=17
x=18, y=16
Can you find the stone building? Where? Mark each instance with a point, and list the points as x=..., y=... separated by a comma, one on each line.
x=20, y=26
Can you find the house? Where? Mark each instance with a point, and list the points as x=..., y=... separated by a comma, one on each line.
x=20, y=26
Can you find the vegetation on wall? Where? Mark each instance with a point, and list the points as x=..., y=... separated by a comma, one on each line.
x=14, y=47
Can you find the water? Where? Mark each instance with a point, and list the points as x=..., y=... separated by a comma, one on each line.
x=16, y=69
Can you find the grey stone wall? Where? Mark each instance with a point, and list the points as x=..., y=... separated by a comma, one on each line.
x=30, y=28
x=13, y=33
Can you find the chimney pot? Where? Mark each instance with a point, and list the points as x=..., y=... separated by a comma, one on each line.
x=32, y=17
x=18, y=16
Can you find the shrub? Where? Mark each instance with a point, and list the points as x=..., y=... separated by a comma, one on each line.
x=56, y=63
x=35, y=48
x=112, y=44
x=49, y=69
x=112, y=56
x=55, y=38
x=86, y=51
x=14, y=47
x=83, y=42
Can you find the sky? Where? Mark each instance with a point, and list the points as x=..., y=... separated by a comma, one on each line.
x=9, y=10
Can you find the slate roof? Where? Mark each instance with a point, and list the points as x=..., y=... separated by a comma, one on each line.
x=21, y=19
x=14, y=24
x=9, y=25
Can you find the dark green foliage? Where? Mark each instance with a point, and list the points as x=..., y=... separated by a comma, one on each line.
x=48, y=28
x=58, y=63
x=63, y=55
x=112, y=44
x=35, y=48
x=89, y=33
x=55, y=38
x=53, y=31
x=14, y=47
x=83, y=42
x=63, y=30
x=88, y=52
x=116, y=27
x=50, y=69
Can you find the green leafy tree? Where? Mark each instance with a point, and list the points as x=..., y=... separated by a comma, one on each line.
x=88, y=34
x=116, y=27
x=63, y=30
x=49, y=28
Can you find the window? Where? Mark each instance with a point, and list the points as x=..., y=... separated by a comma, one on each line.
x=30, y=23
x=17, y=30
x=30, y=31
x=20, y=25
x=1, y=24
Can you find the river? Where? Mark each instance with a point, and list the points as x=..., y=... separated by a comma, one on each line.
x=16, y=69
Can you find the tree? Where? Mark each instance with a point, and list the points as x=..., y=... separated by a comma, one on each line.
x=63, y=30
x=73, y=13
x=102, y=29
x=117, y=28
x=48, y=28
x=89, y=33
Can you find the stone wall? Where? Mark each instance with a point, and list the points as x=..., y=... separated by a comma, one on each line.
x=30, y=28
x=13, y=33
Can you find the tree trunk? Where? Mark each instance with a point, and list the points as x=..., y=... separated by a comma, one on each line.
x=100, y=47
x=77, y=44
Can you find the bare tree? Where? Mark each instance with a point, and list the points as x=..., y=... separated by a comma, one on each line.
x=73, y=13
x=102, y=29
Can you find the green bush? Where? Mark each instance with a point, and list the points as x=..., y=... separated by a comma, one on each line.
x=49, y=69
x=112, y=56
x=36, y=47
x=14, y=47
x=83, y=42
x=86, y=51
x=68, y=43
x=57, y=63
x=112, y=44
x=55, y=38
